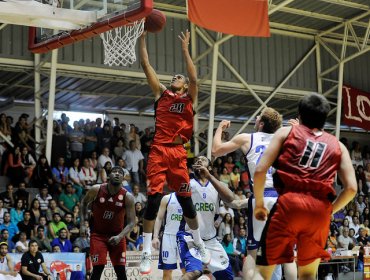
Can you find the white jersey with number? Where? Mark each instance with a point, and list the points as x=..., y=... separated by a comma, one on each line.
x=206, y=201
x=173, y=215
x=259, y=143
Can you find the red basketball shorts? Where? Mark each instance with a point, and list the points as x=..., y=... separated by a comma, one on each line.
x=296, y=219
x=99, y=248
x=168, y=163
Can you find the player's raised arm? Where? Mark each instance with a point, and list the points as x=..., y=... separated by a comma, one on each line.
x=220, y=148
x=190, y=67
x=347, y=175
x=150, y=74
x=269, y=156
x=159, y=221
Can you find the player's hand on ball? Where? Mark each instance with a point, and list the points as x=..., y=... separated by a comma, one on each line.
x=114, y=240
x=155, y=243
x=224, y=125
x=261, y=213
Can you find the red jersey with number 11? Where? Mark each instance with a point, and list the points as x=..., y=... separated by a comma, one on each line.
x=108, y=212
x=173, y=116
x=308, y=162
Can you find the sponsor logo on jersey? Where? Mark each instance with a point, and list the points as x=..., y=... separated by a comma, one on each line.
x=177, y=107
x=204, y=206
x=176, y=217
x=119, y=204
x=120, y=197
x=102, y=200
x=39, y=260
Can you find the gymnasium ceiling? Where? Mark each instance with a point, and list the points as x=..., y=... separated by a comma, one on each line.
x=98, y=92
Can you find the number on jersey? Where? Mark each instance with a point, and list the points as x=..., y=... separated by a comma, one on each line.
x=312, y=155
x=108, y=215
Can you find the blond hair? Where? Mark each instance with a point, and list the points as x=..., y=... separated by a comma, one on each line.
x=271, y=120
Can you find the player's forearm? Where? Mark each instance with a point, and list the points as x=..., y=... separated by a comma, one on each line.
x=238, y=204
x=157, y=227
x=217, y=143
x=127, y=229
x=344, y=198
x=259, y=185
x=190, y=67
x=144, y=57
x=225, y=193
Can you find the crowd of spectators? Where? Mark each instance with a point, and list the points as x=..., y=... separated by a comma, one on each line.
x=83, y=155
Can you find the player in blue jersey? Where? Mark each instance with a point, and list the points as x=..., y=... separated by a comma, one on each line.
x=169, y=214
x=206, y=201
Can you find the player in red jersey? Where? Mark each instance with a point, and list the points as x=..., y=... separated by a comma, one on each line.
x=167, y=157
x=110, y=204
x=306, y=161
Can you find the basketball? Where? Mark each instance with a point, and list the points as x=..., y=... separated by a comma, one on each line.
x=155, y=22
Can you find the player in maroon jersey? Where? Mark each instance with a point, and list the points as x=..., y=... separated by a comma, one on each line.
x=306, y=160
x=167, y=157
x=110, y=205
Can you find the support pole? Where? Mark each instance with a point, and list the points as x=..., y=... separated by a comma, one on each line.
x=51, y=103
x=213, y=100
x=37, y=103
x=318, y=66
x=339, y=102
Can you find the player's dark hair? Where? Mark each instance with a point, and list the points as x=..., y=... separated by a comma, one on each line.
x=313, y=110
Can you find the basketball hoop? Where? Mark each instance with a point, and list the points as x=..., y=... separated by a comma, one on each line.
x=119, y=44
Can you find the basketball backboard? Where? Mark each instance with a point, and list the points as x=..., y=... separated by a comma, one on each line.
x=104, y=16
x=56, y=23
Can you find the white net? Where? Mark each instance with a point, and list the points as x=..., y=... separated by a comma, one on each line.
x=119, y=44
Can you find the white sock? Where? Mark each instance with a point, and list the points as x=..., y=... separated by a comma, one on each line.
x=196, y=236
x=147, y=242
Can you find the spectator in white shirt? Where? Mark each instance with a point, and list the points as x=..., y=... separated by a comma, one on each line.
x=74, y=177
x=355, y=225
x=360, y=205
x=134, y=162
x=87, y=174
x=138, y=196
x=344, y=240
x=103, y=158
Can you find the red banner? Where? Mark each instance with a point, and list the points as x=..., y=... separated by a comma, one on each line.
x=356, y=107
x=237, y=17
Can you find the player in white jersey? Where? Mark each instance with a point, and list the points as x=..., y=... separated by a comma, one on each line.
x=6, y=264
x=252, y=145
x=206, y=201
x=170, y=212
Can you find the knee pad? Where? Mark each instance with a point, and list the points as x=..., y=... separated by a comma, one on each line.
x=152, y=207
x=187, y=206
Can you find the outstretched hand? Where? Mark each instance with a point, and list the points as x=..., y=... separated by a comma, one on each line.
x=224, y=125
x=185, y=39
